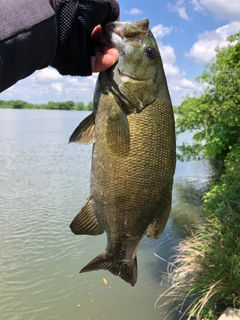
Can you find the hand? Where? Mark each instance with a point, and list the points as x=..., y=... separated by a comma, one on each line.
x=73, y=54
x=104, y=57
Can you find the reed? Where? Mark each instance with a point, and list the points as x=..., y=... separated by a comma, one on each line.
x=205, y=271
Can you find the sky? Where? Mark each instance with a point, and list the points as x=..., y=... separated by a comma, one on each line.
x=187, y=33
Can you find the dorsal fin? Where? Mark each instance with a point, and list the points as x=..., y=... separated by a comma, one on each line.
x=84, y=133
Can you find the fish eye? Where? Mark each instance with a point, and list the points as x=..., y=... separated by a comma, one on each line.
x=151, y=52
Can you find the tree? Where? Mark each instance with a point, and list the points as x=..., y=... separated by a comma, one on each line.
x=68, y=105
x=51, y=105
x=79, y=106
x=89, y=106
x=214, y=116
x=18, y=104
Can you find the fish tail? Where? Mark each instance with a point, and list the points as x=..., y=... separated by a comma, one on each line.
x=125, y=269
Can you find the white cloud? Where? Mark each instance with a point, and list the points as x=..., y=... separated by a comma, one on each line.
x=48, y=85
x=180, y=8
x=133, y=11
x=167, y=53
x=204, y=49
x=47, y=75
x=222, y=9
x=160, y=31
x=57, y=86
x=73, y=82
x=81, y=87
x=178, y=85
x=171, y=70
x=182, y=13
x=196, y=5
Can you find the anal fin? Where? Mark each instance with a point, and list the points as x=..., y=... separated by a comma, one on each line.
x=86, y=221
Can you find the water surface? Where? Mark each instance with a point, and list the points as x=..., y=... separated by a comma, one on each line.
x=43, y=183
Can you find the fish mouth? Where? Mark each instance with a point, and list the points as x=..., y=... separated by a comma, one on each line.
x=113, y=34
x=116, y=32
x=127, y=76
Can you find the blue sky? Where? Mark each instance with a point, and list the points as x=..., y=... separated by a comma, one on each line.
x=187, y=32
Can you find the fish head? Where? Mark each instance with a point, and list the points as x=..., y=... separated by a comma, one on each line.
x=137, y=73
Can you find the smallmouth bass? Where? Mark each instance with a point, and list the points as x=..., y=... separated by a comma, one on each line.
x=134, y=151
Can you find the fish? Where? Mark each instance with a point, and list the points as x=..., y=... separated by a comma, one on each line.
x=134, y=151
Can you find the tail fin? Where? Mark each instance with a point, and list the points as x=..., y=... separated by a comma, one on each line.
x=125, y=269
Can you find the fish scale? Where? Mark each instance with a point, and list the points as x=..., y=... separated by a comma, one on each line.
x=133, y=159
x=134, y=178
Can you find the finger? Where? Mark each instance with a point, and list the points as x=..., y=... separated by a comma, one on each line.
x=104, y=60
x=97, y=35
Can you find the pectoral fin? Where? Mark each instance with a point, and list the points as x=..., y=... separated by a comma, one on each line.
x=118, y=134
x=86, y=221
x=84, y=133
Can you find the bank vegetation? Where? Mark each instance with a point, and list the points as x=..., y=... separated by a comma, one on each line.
x=205, y=270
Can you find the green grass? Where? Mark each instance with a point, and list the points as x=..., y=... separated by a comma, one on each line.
x=205, y=271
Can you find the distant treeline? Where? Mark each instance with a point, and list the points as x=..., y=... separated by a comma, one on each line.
x=68, y=105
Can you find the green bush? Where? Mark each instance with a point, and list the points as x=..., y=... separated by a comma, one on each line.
x=214, y=116
x=207, y=264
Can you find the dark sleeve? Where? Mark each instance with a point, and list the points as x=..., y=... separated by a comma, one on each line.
x=76, y=20
x=28, y=38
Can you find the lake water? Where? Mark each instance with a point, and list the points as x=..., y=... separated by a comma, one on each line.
x=43, y=183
